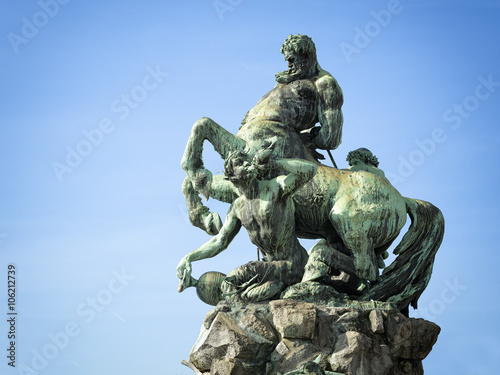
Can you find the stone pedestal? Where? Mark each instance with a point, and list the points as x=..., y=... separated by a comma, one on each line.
x=289, y=337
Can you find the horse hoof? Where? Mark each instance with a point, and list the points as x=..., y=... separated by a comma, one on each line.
x=366, y=271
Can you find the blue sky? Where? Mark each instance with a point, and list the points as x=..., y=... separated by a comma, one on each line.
x=97, y=104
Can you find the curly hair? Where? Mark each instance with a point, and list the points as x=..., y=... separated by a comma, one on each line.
x=362, y=156
x=306, y=65
x=234, y=158
x=301, y=44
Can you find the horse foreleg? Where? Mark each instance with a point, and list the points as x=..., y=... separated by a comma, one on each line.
x=192, y=160
x=200, y=215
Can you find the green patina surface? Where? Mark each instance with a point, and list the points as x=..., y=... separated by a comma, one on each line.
x=279, y=191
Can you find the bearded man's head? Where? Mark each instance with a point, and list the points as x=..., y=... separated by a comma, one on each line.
x=300, y=52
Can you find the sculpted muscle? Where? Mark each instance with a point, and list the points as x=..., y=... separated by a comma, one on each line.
x=293, y=105
x=329, y=113
x=279, y=191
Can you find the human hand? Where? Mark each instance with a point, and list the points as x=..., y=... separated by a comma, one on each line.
x=184, y=270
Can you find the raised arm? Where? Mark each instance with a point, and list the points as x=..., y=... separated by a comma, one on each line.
x=214, y=246
x=329, y=113
x=300, y=172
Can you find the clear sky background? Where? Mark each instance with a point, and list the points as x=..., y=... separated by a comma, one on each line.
x=97, y=103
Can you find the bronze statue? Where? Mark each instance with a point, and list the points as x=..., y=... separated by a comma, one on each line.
x=265, y=209
x=355, y=213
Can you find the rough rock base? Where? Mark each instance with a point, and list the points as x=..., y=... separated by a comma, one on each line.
x=288, y=337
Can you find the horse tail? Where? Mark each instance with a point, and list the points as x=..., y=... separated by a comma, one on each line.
x=407, y=276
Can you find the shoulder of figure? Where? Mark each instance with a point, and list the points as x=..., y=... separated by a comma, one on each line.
x=325, y=81
x=233, y=209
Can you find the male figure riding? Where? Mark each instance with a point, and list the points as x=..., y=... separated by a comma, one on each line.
x=304, y=95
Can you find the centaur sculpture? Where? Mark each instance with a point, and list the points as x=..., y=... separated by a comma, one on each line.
x=355, y=213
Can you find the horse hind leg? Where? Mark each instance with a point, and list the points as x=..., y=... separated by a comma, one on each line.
x=356, y=240
x=192, y=160
x=365, y=260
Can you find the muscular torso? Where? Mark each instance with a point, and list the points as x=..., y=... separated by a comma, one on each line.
x=269, y=224
x=293, y=105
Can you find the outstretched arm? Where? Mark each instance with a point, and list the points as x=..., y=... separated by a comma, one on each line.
x=223, y=190
x=213, y=247
x=301, y=172
x=329, y=113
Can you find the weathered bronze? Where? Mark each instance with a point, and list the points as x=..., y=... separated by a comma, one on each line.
x=279, y=191
x=265, y=209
